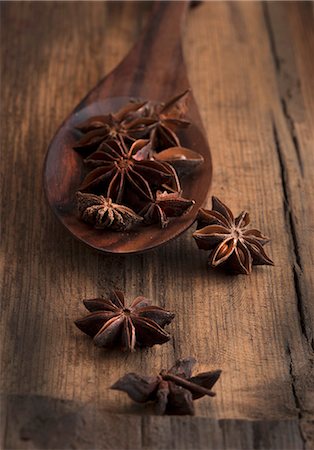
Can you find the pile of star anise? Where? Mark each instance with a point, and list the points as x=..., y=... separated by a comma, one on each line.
x=134, y=161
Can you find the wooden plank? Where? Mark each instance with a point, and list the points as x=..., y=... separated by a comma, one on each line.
x=292, y=47
x=251, y=70
x=46, y=423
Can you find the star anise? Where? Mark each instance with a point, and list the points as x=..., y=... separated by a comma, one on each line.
x=166, y=204
x=119, y=170
x=134, y=157
x=112, y=324
x=166, y=119
x=173, y=391
x=232, y=245
x=103, y=213
x=135, y=120
x=113, y=126
x=159, y=120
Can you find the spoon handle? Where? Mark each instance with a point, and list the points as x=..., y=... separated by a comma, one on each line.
x=161, y=40
x=154, y=68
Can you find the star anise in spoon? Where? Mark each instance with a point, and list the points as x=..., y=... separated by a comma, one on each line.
x=165, y=205
x=182, y=159
x=232, y=245
x=113, y=324
x=103, y=213
x=118, y=172
x=160, y=121
x=173, y=391
x=167, y=119
x=108, y=127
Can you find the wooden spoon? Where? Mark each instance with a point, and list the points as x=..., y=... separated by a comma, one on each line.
x=155, y=70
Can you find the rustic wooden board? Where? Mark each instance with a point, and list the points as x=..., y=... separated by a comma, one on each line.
x=251, y=67
x=45, y=423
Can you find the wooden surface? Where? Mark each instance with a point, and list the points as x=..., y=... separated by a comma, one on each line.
x=251, y=68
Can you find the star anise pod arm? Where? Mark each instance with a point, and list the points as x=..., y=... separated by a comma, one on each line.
x=165, y=205
x=139, y=388
x=182, y=159
x=206, y=380
x=168, y=118
x=187, y=384
x=176, y=107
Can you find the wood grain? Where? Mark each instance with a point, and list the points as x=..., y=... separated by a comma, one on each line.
x=45, y=423
x=251, y=69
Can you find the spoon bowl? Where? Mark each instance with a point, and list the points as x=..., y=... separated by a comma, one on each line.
x=133, y=78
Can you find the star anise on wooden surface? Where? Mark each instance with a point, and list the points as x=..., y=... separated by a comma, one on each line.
x=166, y=204
x=232, y=245
x=103, y=213
x=108, y=127
x=117, y=170
x=112, y=324
x=173, y=391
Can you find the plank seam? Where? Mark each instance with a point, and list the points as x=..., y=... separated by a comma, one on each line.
x=296, y=269
x=288, y=118
x=296, y=398
x=293, y=134
x=297, y=264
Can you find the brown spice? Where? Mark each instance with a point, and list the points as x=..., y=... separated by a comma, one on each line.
x=119, y=172
x=103, y=213
x=133, y=158
x=112, y=324
x=165, y=205
x=232, y=245
x=173, y=390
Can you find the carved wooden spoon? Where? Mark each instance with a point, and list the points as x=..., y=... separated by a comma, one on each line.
x=153, y=70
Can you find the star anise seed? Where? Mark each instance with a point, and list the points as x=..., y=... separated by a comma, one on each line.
x=112, y=324
x=103, y=213
x=232, y=245
x=173, y=391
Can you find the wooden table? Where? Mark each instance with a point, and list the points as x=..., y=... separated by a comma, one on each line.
x=251, y=66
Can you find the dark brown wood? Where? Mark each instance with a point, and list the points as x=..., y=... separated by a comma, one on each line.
x=155, y=70
x=35, y=422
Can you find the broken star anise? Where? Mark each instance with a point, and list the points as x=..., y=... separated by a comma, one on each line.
x=232, y=245
x=173, y=391
x=112, y=324
x=119, y=172
x=166, y=204
x=103, y=213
